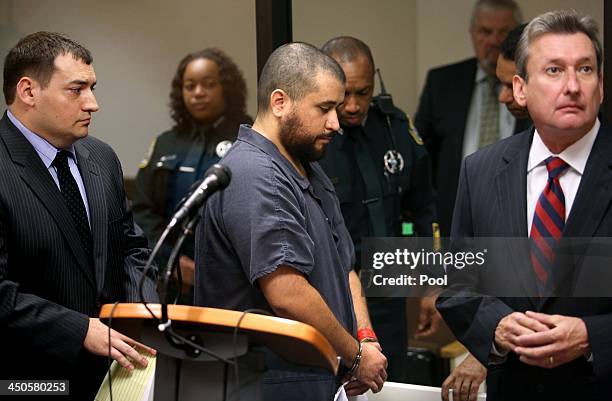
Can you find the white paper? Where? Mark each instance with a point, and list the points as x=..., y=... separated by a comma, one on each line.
x=341, y=396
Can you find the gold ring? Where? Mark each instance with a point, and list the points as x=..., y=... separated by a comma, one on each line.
x=551, y=360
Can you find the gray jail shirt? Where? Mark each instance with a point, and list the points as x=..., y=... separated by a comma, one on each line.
x=271, y=216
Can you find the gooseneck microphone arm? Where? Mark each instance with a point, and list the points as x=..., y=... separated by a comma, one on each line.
x=216, y=178
x=187, y=229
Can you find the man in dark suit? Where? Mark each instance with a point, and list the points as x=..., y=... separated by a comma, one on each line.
x=68, y=243
x=552, y=186
x=452, y=115
x=470, y=373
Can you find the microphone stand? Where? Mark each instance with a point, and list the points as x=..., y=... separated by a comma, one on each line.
x=215, y=178
x=167, y=274
x=164, y=279
x=149, y=266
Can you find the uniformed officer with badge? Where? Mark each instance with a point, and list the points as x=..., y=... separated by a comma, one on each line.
x=208, y=103
x=382, y=176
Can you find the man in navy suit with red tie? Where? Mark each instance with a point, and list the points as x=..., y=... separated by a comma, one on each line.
x=549, y=184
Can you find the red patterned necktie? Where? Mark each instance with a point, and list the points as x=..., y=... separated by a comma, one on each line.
x=548, y=223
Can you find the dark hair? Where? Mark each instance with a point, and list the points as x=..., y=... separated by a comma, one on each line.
x=293, y=68
x=34, y=55
x=508, y=46
x=558, y=22
x=347, y=48
x=232, y=82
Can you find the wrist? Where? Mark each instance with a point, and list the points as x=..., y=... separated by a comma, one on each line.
x=356, y=361
x=366, y=335
x=498, y=349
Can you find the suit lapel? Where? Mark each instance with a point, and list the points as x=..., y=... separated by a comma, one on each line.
x=37, y=178
x=94, y=186
x=594, y=193
x=589, y=209
x=511, y=183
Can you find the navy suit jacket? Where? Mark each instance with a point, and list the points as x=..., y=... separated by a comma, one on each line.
x=441, y=119
x=492, y=202
x=48, y=290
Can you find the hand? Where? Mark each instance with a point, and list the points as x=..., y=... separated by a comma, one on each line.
x=355, y=387
x=96, y=342
x=566, y=340
x=514, y=325
x=187, y=266
x=372, y=369
x=429, y=318
x=465, y=380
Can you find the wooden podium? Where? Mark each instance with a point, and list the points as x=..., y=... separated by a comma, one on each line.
x=184, y=374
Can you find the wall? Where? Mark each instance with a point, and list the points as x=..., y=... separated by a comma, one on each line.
x=388, y=27
x=409, y=37
x=137, y=45
x=449, y=40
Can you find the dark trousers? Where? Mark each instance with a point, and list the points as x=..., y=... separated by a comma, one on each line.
x=284, y=385
x=284, y=381
x=388, y=316
x=514, y=380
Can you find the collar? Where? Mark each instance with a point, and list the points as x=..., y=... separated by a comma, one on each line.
x=481, y=75
x=575, y=155
x=247, y=134
x=46, y=151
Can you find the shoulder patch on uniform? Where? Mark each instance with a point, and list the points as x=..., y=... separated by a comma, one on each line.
x=145, y=162
x=414, y=133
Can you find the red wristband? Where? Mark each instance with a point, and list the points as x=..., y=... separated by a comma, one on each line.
x=366, y=334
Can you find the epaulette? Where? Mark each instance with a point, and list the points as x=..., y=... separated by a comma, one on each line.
x=145, y=162
x=414, y=133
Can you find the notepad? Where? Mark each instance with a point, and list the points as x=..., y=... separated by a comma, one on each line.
x=129, y=386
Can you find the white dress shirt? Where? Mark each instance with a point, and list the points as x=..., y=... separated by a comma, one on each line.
x=575, y=156
x=471, y=137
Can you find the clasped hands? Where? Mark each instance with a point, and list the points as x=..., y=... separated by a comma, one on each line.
x=371, y=374
x=543, y=340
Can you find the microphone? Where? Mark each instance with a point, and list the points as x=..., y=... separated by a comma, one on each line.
x=215, y=178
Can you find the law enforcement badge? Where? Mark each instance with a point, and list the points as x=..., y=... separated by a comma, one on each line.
x=394, y=161
x=222, y=148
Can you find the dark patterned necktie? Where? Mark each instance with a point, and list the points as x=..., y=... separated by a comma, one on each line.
x=548, y=223
x=74, y=202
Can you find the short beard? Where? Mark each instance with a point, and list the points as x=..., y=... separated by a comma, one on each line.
x=297, y=142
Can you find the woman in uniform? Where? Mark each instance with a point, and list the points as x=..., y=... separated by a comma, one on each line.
x=208, y=103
